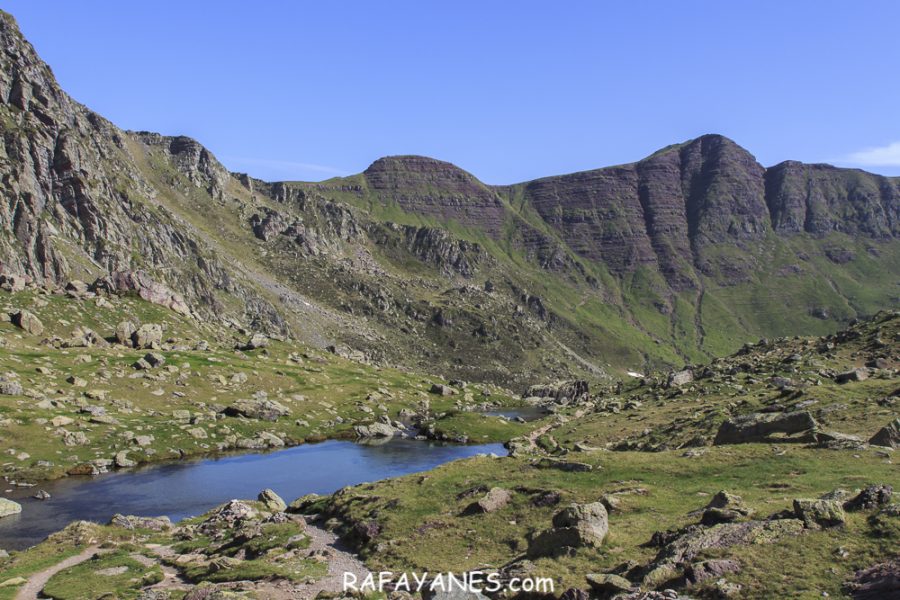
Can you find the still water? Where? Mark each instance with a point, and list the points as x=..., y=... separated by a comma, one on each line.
x=191, y=487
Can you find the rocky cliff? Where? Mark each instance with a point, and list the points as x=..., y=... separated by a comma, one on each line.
x=683, y=255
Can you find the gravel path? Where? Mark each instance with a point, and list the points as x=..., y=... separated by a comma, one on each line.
x=36, y=583
x=340, y=561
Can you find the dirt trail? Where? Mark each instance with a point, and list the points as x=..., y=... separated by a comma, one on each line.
x=340, y=561
x=36, y=583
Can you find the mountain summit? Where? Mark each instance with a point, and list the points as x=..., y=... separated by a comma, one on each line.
x=686, y=254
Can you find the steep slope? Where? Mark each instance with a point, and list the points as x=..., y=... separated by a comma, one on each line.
x=414, y=262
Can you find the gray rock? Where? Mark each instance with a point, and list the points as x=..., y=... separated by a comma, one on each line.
x=272, y=500
x=816, y=514
x=679, y=378
x=759, y=427
x=262, y=409
x=608, y=584
x=493, y=501
x=147, y=336
x=858, y=374
x=11, y=388
x=888, y=436
x=577, y=526
x=28, y=322
x=125, y=333
x=8, y=507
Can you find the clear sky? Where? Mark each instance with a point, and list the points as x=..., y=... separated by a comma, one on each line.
x=507, y=90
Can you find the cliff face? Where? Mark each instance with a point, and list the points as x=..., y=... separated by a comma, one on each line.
x=685, y=254
x=437, y=189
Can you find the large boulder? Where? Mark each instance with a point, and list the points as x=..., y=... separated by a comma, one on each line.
x=375, y=430
x=608, y=584
x=27, y=321
x=272, y=500
x=760, y=427
x=262, y=409
x=870, y=498
x=493, y=501
x=888, y=436
x=11, y=388
x=724, y=508
x=576, y=526
x=679, y=378
x=125, y=333
x=256, y=342
x=8, y=507
x=817, y=514
x=133, y=522
x=147, y=336
x=859, y=374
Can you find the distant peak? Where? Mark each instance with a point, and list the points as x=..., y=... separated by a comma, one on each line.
x=410, y=162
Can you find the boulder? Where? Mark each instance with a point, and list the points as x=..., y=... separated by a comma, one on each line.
x=8, y=507
x=679, y=378
x=122, y=461
x=870, y=498
x=858, y=374
x=28, y=322
x=375, y=430
x=878, y=582
x=273, y=501
x=132, y=522
x=12, y=283
x=888, y=436
x=256, y=342
x=817, y=514
x=155, y=359
x=147, y=336
x=258, y=408
x=493, y=501
x=759, y=427
x=608, y=584
x=724, y=508
x=442, y=390
x=11, y=388
x=711, y=569
x=576, y=526
x=125, y=333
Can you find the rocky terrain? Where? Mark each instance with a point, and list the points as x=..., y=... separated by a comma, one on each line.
x=707, y=351
x=682, y=256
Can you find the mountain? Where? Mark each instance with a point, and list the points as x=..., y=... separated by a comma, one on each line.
x=684, y=255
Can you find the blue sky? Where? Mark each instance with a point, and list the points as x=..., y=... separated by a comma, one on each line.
x=507, y=90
